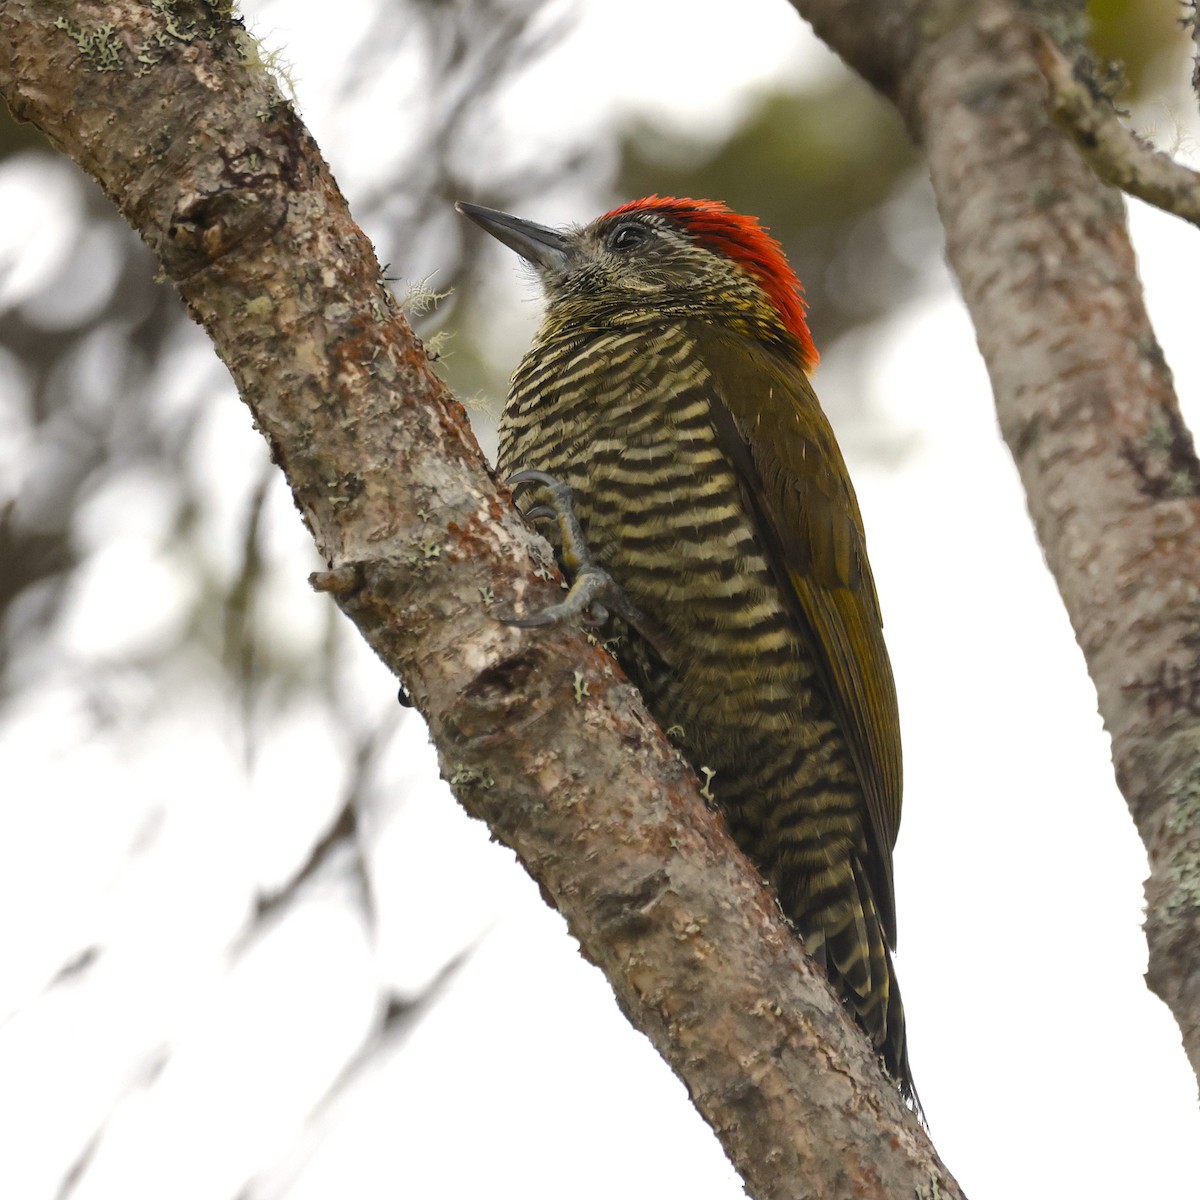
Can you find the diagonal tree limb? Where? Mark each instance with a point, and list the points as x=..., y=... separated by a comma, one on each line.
x=167, y=106
x=1084, y=399
x=1115, y=153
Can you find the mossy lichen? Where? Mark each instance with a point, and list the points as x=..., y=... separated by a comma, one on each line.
x=98, y=44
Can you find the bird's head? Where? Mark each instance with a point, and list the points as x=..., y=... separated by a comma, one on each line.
x=661, y=259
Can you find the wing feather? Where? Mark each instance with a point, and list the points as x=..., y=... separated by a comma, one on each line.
x=795, y=480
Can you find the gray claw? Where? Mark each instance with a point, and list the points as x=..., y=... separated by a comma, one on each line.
x=590, y=584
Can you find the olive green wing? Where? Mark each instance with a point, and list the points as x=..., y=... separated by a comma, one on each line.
x=795, y=480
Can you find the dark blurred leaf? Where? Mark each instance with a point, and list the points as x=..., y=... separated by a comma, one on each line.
x=18, y=135
x=1140, y=34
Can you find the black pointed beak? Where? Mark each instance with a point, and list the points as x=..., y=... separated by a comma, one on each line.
x=547, y=249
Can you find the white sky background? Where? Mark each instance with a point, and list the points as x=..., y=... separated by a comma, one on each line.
x=1045, y=1065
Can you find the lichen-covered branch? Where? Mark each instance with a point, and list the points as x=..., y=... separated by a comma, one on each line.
x=1114, y=152
x=1085, y=401
x=165, y=104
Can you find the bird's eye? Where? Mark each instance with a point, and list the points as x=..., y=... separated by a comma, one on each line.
x=625, y=237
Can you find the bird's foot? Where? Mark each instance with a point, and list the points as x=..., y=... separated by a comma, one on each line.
x=593, y=593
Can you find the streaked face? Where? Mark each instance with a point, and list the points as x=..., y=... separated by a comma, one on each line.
x=635, y=258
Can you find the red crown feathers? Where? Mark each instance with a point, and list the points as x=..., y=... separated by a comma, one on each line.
x=747, y=243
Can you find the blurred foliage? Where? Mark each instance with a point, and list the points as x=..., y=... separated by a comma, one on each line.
x=73, y=444
x=1142, y=35
x=77, y=440
x=18, y=135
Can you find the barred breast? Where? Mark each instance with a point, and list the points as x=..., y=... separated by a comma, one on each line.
x=625, y=420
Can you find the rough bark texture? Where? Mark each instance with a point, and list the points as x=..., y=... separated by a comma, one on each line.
x=165, y=104
x=1085, y=402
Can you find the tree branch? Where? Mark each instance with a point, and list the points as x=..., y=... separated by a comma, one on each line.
x=166, y=105
x=1115, y=153
x=1085, y=402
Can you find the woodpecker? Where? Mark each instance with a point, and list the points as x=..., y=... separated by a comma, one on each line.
x=665, y=412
